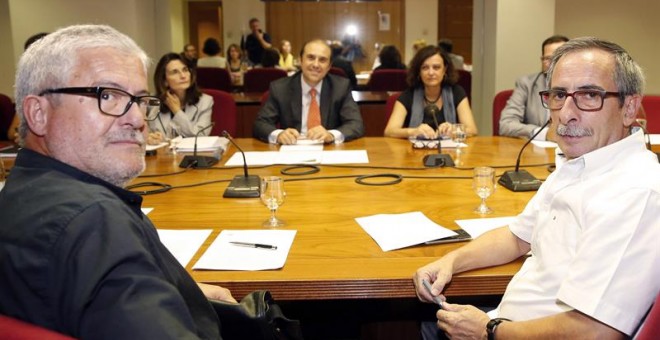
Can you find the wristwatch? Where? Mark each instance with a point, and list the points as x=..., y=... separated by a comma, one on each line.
x=491, y=326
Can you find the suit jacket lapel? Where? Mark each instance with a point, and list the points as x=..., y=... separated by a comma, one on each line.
x=326, y=102
x=295, y=96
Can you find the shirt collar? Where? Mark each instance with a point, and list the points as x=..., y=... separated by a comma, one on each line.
x=27, y=158
x=306, y=88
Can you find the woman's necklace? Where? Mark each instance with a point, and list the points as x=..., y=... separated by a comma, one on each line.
x=434, y=101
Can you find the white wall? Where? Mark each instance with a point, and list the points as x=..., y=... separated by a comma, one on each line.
x=421, y=23
x=7, y=67
x=506, y=44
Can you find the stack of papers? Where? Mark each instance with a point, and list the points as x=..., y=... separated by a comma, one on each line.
x=204, y=144
x=183, y=244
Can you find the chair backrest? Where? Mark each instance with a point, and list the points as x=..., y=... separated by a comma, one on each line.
x=338, y=72
x=651, y=325
x=651, y=105
x=264, y=98
x=214, y=78
x=224, y=113
x=14, y=329
x=258, y=79
x=465, y=80
x=389, y=105
x=7, y=112
x=499, y=102
x=387, y=80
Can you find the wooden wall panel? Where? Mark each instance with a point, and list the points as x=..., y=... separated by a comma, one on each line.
x=301, y=21
x=455, y=23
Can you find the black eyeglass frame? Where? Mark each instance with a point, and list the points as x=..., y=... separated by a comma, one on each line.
x=602, y=93
x=98, y=90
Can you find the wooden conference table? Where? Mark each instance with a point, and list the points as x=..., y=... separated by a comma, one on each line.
x=331, y=256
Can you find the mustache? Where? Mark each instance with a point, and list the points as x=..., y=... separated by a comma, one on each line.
x=127, y=135
x=573, y=131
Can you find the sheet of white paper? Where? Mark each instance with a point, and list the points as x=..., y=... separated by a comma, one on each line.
x=301, y=147
x=476, y=227
x=312, y=157
x=395, y=231
x=204, y=143
x=655, y=139
x=299, y=157
x=146, y=211
x=544, y=144
x=345, y=157
x=183, y=244
x=157, y=146
x=305, y=141
x=222, y=255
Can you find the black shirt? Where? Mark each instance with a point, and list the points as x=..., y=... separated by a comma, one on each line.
x=406, y=99
x=78, y=256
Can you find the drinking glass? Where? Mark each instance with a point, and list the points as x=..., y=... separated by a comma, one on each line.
x=272, y=195
x=483, y=184
x=458, y=133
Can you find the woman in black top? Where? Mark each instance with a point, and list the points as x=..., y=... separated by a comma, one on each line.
x=433, y=101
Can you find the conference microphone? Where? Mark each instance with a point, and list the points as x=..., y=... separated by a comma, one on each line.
x=246, y=186
x=439, y=159
x=195, y=161
x=521, y=180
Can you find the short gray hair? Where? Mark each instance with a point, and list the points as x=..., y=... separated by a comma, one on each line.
x=49, y=62
x=628, y=75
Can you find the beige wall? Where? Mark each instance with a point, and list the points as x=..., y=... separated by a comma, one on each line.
x=633, y=24
x=421, y=23
x=237, y=14
x=7, y=68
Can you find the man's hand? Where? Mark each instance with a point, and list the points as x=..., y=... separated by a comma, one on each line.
x=216, y=292
x=288, y=136
x=438, y=273
x=462, y=321
x=320, y=133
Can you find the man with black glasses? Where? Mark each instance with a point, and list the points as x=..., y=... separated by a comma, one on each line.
x=77, y=255
x=593, y=226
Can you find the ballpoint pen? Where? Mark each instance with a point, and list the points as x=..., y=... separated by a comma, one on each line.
x=254, y=245
x=437, y=299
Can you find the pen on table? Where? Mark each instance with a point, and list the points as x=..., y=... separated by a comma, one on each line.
x=437, y=299
x=254, y=245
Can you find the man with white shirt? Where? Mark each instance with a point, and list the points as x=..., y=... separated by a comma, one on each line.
x=524, y=114
x=311, y=104
x=592, y=228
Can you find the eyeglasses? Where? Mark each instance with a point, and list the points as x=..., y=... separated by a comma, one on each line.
x=112, y=102
x=585, y=100
x=425, y=143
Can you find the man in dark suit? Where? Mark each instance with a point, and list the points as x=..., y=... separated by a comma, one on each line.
x=293, y=104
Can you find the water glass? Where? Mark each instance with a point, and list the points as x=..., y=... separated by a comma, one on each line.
x=483, y=184
x=272, y=196
x=458, y=133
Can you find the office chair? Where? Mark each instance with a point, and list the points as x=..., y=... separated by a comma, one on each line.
x=651, y=325
x=465, y=80
x=387, y=80
x=389, y=105
x=7, y=111
x=499, y=102
x=14, y=329
x=651, y=104
x=338, y=72
x=224, y=113
x=258, y=79
x=214, y=78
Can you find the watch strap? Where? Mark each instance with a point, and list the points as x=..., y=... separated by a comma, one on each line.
x=491, y=326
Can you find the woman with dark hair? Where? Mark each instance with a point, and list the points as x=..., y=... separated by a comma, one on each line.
x=212, y=50
x=184, y=109
x=270, y=58
x=433, y=100
x=390, y=59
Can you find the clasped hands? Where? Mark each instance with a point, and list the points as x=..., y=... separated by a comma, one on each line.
x=457, y=321
x=427, y=132
x=291, y=135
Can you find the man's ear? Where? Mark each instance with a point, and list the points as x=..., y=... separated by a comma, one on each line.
x=631, y=107
x=35, y=113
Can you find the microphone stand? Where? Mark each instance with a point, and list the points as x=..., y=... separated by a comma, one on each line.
x=246, y=186
x=195, y=161
x=439, y=159
x=521, y=180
